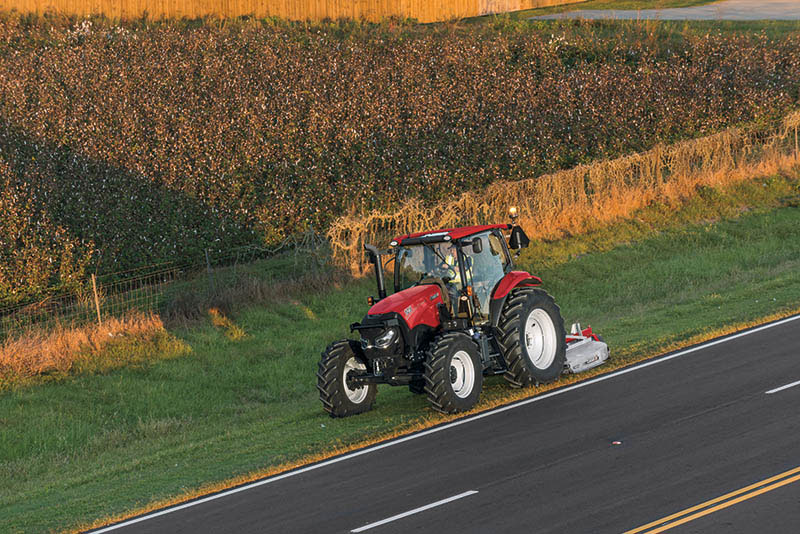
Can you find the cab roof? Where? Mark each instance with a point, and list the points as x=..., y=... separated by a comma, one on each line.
x=446, y=234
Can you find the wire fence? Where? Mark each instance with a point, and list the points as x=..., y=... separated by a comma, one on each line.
x=150, y=287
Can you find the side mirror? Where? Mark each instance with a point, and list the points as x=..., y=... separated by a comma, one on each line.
x=477, y=245
x=518, y=239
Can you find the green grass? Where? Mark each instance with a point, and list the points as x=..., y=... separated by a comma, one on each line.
x=101, y=444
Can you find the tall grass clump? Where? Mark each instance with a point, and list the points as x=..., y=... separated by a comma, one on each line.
x=135, y=339
x=128, y=144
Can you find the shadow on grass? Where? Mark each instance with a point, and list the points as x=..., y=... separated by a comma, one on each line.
x=70, y=207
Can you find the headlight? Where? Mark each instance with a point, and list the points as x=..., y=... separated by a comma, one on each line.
x=386, y=339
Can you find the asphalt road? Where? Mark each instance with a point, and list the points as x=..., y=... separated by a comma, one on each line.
x=725, y=10
x=610, y=455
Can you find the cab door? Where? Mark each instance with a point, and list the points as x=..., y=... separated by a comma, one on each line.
x=485, y=268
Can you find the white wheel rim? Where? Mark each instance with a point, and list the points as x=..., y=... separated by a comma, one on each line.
x=462, y=374
x=540, y=339
x=356, y=395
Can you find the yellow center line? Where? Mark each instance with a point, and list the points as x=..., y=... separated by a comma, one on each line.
x=718, y=499
x=726, y=504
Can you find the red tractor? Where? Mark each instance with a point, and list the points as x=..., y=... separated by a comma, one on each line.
x=459, y=312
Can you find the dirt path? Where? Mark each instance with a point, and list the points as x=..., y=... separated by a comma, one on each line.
x=725, y=10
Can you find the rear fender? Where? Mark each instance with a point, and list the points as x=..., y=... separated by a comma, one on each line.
x=501, y=291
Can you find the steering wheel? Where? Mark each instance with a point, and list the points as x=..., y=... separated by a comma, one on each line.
x=446, y=269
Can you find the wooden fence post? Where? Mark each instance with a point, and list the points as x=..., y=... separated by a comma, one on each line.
x=211, y=284
x=96, y=299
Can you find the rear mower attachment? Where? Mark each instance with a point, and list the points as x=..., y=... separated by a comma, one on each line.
x=585, y=350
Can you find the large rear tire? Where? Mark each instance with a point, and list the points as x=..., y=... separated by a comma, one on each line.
x=338, y=399
x=453, y=373
x=532, y=337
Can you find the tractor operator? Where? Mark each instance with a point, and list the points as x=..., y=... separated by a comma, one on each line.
x=451, y=273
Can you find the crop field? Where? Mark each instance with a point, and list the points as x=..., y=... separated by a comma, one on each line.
x=123, y=145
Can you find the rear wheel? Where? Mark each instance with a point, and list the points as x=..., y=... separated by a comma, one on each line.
x=532, y=337
x=338, y=398
x=453, y=373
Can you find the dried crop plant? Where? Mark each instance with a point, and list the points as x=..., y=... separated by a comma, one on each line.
x=585, y=197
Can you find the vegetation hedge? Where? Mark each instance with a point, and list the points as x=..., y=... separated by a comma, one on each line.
x=127, y=144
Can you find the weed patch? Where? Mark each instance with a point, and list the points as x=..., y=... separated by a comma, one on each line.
x=131, y=341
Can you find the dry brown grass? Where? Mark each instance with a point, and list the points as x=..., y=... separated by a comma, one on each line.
x=65, y=350
x=586, y=197
x=57, y=352
x=232, y=331
x=791, y=126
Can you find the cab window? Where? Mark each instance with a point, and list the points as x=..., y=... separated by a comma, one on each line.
x=485, y=268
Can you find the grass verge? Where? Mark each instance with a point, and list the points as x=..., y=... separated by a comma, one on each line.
x=244, y=403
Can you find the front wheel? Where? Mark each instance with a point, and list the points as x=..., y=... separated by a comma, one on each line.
x=532, y=337
x=453, y=373
x=338, y=398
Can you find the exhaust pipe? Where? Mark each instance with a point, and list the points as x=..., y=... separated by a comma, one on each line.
x=375, y=259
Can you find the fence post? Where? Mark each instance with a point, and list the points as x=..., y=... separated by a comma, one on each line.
x=96, y=299
x=796, y=151
x=312, y=248
x=211, y=287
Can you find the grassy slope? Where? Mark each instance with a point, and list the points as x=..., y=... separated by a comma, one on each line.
x=97, y=445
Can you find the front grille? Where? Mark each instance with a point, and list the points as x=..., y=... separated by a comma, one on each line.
x=370, y=334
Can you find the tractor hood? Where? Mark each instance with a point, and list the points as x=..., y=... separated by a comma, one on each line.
x=416, y=305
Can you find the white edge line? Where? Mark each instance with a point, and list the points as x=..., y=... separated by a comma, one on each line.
x=445, y=426
x=415, y=511
x=787, y=386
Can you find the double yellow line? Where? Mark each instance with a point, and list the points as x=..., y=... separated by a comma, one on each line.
x=729, y=499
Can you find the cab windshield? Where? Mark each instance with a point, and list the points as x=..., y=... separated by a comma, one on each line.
x=418, y=262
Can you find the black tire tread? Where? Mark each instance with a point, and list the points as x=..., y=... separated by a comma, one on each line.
x=517, y=373
x=331, y=393
x=437, y=377
x=417, y=386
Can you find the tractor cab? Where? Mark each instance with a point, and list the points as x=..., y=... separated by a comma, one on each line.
x=467, y=269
